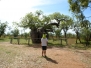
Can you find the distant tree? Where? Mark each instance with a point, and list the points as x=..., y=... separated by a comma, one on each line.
x=26, y=35
x=58, y=33
x=66, y=24
x=85, y=33
x=77, y=29
x=15, y=32
x=2, y=28
x=70, y=35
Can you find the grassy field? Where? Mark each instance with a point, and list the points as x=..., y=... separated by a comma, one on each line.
x=71, y=43
x=4, y=39
x=7, y=55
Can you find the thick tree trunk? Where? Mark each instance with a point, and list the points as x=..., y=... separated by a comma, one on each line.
x=36, y=36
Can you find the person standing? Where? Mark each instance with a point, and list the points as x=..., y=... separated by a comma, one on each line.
x=44, y=42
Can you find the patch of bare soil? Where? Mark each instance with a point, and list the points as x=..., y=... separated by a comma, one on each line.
x=30, y=57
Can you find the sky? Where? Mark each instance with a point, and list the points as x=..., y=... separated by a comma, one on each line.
x=14, y=10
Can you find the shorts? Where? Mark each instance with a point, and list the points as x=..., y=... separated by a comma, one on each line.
x=44, y=47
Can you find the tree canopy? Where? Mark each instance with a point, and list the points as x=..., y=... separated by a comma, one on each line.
x=34, y=20
x=2, y=28
x=78, y=6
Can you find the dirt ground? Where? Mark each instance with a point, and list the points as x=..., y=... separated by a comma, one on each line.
x=30, y=57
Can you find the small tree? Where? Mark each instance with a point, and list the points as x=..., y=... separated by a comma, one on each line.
x=15, y=32
x=77, y=28
x=85, y=33
x=2, y=28
x=58, y=33
x=66, y=24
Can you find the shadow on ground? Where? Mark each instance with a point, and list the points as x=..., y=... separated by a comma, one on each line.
x=51, y=60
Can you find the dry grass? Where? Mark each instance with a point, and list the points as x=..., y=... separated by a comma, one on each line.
x=22, y=56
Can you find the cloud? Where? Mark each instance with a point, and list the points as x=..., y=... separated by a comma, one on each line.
x=13, y=10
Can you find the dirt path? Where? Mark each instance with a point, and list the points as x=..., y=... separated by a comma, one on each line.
x=30, y=57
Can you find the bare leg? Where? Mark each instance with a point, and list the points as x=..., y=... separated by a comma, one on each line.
x=45, y=52
x=42, y=52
